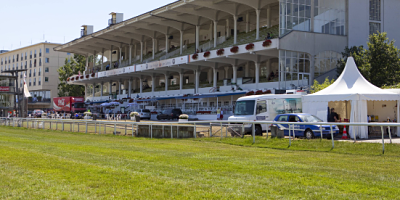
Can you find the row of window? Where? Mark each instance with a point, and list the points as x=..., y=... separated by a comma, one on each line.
x=47, y=60
x=15, y=58
x=30, y=83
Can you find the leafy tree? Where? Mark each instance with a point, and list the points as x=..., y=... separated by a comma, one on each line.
x=73, y=67
x=379, y=64
x=316, y=87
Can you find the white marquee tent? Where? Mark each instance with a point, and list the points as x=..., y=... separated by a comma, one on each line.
x=350, y=86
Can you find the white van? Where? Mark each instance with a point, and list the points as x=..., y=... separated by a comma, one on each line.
x=265, y=108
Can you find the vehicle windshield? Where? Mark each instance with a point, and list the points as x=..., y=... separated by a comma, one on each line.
x=79, y=105
x=146, y=110
x=167, y=112
x=310, y=118
x=244, y=107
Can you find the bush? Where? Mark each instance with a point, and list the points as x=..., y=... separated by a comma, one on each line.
x=132, y=114
x=184, y=116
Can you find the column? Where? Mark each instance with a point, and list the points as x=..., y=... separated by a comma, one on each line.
x=312, y=17
x=166, y=43
x=197, y=82
x=257, y=73
x=102, y=59
x=130, y=54
x=101, y=89
x=135, y=52
x=85, y=91
x=120, y=56
x=130, y=88
x=211, y=33
x=312, y=70
x=228, y=29
x=145, y=48
x=247, y=22
x=257, y=24
x=215, y=78
x=235, y=29
x=234, y=72
x=181, y=42
x=157, y=45
x=87, y=62
x=246, y=69
x=197, y=37
x=226, y=72
x=180, y=81
x=152, y=83
x=110, y=88
x=141, y=51
x=93, y=89
x=111, y=56
x=119, y=87
x=269, y=16
x=154, y=48
x=166, y=81
x=141, y=85
x=94, y=60
x=215, y=33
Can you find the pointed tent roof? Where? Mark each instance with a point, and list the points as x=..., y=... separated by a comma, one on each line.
x=351, y=85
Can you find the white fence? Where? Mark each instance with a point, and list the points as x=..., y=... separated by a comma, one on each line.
x=41, y=123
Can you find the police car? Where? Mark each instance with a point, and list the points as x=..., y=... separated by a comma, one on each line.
x=307, y=131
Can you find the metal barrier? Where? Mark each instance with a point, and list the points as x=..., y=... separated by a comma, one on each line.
x=198, y=128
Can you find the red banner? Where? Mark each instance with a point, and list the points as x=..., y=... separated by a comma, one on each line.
x=4, y=89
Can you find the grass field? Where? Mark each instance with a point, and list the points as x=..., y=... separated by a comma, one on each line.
x=44, y=164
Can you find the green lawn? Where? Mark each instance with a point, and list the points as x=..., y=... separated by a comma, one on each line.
x=44, y=164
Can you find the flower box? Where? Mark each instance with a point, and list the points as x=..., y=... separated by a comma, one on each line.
x=93, y=74
x=195, y=56
x=235, y=49
x=77, y=77
x=267, y=43
x=267, y=92
x=206, y=54
x=68, y=79
x=258, y=92
x=87, y=76
x=250, y=93
x=81, y=77
x=250, y=47
x=72, y=78
x=220, y=52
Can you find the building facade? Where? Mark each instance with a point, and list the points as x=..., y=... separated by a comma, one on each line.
x=41, y=63
x=221, y=50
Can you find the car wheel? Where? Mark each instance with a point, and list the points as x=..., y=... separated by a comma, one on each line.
x=258, y=130
x=308, y=134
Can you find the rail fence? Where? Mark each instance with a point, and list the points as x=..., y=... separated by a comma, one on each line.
x=174, y=129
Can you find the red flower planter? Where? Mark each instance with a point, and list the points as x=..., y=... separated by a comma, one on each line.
x=267, y=43
x=250, y=46
x=72, y=78
x=87, y=76
x=267, y=92
x=235, y=49
x=220, y=52
x=77, y=77
x=67, y=79
x=250, y=93
x=93, y=74
x=206, y=54
x=195, y=56
x=258, y=92
x=81, y=77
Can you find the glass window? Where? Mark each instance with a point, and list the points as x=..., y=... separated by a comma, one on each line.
x=329, y=18
x=47, y=50
x=261, y=107
x=47, y=60
x=283, y=118
x=244, y=107
x=374, y=28
x=375, y=10
x=46, y=69
x=46, y=79
x=40, y=81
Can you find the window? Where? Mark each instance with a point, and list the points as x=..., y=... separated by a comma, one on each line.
x=30, y=82
x=20, y=83
x=30, y=73
x=34, y=72
x=35, y=53
x=30, y=63
x=26, y=64
x=40, y=81
x=68, y=54
x=47, y=50
x=293, y=66
x=40, y=71
x=375, y=10
x=17, y=66
x=31, y=55
x=40, y=52
x=40, y=62
x=26, y=55
x=46, y=69
x=47, y=60
x=261, y=107
x=46, y=79
x=283, y=118
x=34, y=81
x=244, y=107
x=22, y=56
x=34, y=63
x=374, y=28
x=17, y=57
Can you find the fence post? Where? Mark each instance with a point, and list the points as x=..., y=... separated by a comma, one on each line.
x=243, y=129
x=320, y=129
x=163, y=131
x=125, y=128
x=221, y=129
x=177, y=131
x=86, y=127
x=390, y=135
x=115, y=128
x=383, y=141
x=62, y=124
x=43, y=125
x=226, y=131
x=151, y=131
x=56, y=125
x=105, y=128
x=73, y=126
x=294, y=133
x=27, y=124
x=172, y=136
x=132, y=129
x=210, y=131
x=290, y=139
x=78, y=127
x=95, y=127
x=254, y=133
x=137, y=129
x=333, y=141
x=50, y=125
x=194, y=130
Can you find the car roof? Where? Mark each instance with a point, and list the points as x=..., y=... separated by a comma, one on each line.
x=295, y=114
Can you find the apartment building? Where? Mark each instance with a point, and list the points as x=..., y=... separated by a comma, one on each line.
x=41, y=62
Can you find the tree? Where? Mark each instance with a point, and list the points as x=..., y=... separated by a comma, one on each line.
x=379, y=64
x=70, y=68
x=316, y=87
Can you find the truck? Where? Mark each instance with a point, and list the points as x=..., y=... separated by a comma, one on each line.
x=264, y=108
x=69, y=104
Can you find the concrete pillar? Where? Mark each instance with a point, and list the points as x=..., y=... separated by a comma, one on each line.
x=197, y=37
x=85, y=90
x=93, y=89
x=234, y=74
x=181, y=42
x=197, y=81
x=130, y=54
x=215, y=33
x=135, y=51
x=141, y=85
x=166, y=82
x=154, y=48
x=153, y=83
x=119, y=87
x=145, y=48
x=130, y=88
x=111, y=56
x=247, y=22
x=246, y=69
x=102, y=60
x=258, y=24
x=210, y=31
x=269, y=16
x=257, y=73
x=226, y=72
x=166, y=43
x=312, y=70
x=215, y=78
x=110, y=88
x=120, y=57
x=181, y=81
x=235, y=29
x=141, y=51
x=228, y=29
x=157, y=45
x=101, y=89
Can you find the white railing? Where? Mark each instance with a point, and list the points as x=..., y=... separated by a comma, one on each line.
x=40, y=123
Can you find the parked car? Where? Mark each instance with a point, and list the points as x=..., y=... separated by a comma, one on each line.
x=307, y=131
x=37, y=113
x=170, y=114
x=144, y=113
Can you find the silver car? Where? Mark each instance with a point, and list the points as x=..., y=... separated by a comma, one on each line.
x=144, y=113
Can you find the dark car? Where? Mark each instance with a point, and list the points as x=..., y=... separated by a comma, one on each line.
x=306, y=130
x=170, y=114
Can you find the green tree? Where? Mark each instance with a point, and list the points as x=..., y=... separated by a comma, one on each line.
x=316, y=87
x=73, y=67
x=379, y=64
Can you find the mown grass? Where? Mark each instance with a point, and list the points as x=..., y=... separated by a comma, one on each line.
x=44, y=164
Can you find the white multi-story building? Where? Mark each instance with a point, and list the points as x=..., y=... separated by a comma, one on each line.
x=41, y=62
x=156, y=59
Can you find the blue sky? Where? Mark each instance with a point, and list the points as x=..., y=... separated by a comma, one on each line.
x=26, y=21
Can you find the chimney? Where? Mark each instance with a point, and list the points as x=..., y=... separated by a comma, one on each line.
x=115, y=18
x=86, y=30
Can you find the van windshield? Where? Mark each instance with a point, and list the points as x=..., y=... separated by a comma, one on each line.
x=79, y=105
x=244, y=107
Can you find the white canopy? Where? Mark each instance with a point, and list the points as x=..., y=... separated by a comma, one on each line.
x=350, y=86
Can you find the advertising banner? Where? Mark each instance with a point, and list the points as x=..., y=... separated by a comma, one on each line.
x=4, y=89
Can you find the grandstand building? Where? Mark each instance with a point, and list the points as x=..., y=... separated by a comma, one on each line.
x=202, y=54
